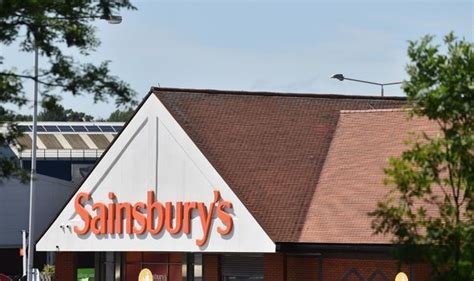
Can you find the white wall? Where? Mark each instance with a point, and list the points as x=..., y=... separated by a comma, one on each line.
x=154, y=153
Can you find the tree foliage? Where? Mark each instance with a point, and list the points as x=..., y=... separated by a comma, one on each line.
x=52, y=26
x=58, y=113
x=430, y=209
x=120, y=115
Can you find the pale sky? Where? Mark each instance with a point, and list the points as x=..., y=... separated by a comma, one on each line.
x=285, y=46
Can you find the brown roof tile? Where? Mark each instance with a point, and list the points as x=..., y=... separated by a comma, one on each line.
x=351, y=182
x=270, y=148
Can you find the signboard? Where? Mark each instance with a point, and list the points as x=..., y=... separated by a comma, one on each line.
x=401, y=276
x=85, y=274
x=150, y=217
x=145, y=275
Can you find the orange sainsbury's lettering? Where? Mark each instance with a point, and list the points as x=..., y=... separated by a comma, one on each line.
x=150, y=220
x=99, y=222
x=225, y=217
x=151, y=217
x=206, y=218
x=139, y=217
x=178, y=220
x=188, y=209
x=82, y=212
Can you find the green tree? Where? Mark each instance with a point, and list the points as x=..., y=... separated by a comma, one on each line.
x=52, y=26
x=57, y=112
x=120, y=115
x=437, y=172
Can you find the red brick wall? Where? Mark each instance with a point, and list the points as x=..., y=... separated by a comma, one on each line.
x=279, y=267
x=421, y=272
x=65, y=266
x=211, y=267
x=338, y=269
x=274, y=267
x=302, y=268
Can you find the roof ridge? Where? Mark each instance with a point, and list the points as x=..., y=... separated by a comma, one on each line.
x=156, y=90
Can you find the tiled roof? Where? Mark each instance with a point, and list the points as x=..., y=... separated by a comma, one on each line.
x=271, y=148
x=351, y=181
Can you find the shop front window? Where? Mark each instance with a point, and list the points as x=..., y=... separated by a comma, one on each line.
x=85, y=267
x=164, y=266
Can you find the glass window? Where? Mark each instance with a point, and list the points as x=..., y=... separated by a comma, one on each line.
x=85, y=266
x=197, y=267
x=164, y=266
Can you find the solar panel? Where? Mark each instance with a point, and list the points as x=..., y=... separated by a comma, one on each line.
x=50, y=128
x=107, y=129
x=40, y=129
x=117, y=128
x=93, y=129
x=65, y=128
x=24, y=128
x=79, y=128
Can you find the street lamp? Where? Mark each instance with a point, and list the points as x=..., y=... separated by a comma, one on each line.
x=111, y=19
x=341, y=77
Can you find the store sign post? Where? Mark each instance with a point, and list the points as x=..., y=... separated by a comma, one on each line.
x=139, y=218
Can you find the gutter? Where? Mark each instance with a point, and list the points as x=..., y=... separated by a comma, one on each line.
x=312, y=248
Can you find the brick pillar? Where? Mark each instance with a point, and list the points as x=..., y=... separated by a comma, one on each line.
x=274, y=267
x=211, y=268
x=65, y=266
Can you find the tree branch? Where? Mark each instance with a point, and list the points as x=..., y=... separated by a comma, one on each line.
x=32, y=78
x=17, y=75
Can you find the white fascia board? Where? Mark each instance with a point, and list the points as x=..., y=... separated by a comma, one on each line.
x=154, y=153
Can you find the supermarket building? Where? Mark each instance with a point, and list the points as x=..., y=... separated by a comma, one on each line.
x=219, y=185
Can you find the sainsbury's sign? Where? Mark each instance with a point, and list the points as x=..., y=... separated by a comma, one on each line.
x=150, y=217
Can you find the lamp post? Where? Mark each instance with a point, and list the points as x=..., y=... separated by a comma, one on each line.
x=341, y=77
x=30, y=257
x=111, y=19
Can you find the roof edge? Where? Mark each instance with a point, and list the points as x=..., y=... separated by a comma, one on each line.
x=312, y=247
x=157, y=90
x=375, y=110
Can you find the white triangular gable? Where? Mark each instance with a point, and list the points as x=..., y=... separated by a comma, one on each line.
x=154, y=153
